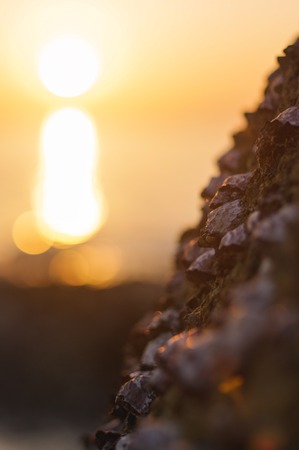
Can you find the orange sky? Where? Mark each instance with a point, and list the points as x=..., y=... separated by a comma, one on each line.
x=176, y=77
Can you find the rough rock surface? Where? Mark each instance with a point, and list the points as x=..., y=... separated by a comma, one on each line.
x=226, y=375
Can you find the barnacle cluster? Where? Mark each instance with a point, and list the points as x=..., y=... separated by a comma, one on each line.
x=217, y=367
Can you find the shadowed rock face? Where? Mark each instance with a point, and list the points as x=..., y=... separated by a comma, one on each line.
x=226, y=374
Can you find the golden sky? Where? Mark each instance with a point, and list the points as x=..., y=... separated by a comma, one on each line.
x=176, y=76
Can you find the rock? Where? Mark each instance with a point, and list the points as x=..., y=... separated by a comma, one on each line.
x=160, y=381
x=273, y=91
x=236, y=182
x=233, y=162
x=148, y=357
x=240, y=139
x=154, y=435
x=235, y=239
x=188, y=240
x=108, y=435
x=278, y=139
x=136, y=395
x=289, y=116
x=213, y=186
x=232, y=188
x=175, y=290
x=273, y=229
x=256, y=295
x=168, y=320
x=223, y=219
x=199, y=361
x=191, y=252
x=252, y=221
x=124, y=443
x=203, y=269
x=166, y=356
x=228, y=377
x=106, y=439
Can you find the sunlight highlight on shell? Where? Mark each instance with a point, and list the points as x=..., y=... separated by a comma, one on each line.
x=67, y=198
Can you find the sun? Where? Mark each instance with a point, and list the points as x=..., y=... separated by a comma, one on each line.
x=68, y=66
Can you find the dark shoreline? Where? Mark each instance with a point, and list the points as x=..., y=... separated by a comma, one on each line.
x=61, y=350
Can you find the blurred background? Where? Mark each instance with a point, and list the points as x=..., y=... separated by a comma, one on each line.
x=165, y=86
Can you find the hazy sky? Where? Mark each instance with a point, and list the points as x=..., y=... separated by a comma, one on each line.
x=176, y=76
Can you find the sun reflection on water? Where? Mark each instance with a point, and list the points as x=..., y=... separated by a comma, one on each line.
x=67, y=198
x=68, y=207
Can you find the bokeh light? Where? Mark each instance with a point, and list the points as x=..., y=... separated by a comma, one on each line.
x=105, y=261
x=68, y=66
x=26, y=235
x=69, y=267
x=67, y=197
x=86, y=265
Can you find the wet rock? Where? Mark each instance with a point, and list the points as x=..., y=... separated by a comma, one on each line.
x=236, y=239
x=136, y=395
x=203, y=268
x=148, y=357
x=232, y=188
x=223, y=219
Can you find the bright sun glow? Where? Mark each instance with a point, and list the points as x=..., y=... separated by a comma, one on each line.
x=66, y=198
x=68, y=66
